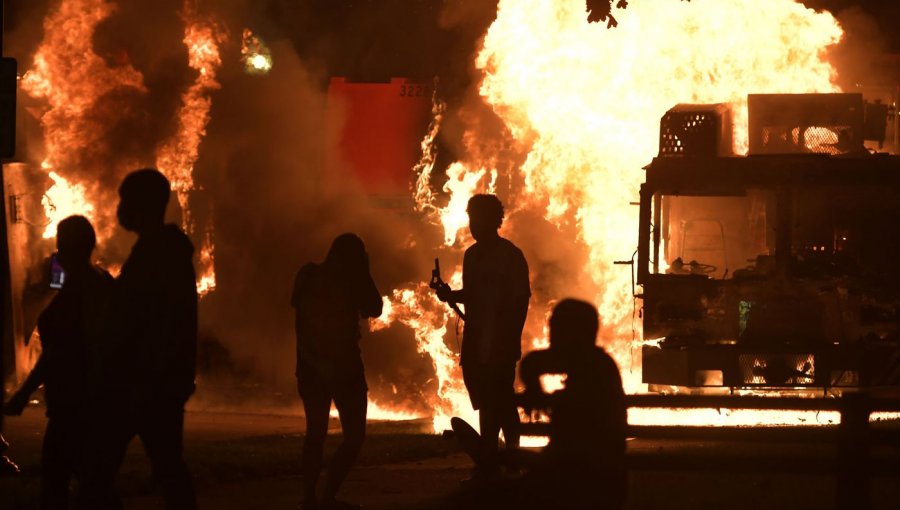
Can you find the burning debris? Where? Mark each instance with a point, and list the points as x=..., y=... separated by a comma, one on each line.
x=255, y=55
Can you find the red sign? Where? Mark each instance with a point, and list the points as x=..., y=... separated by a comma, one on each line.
x=379, y=129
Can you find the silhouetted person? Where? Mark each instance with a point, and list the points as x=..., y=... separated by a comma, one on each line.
x=584, y=464
x=329, y=300
x=149, y=371
x=69, y=328
x=495, y=294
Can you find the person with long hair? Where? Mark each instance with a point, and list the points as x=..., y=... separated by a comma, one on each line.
x=329, y=300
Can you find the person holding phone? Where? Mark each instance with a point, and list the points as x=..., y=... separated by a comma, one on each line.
x=69, y=328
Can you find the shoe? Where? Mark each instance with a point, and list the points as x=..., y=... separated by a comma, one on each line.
x=336, y=504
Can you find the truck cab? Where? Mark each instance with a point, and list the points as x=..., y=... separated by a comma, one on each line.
x=777, y=269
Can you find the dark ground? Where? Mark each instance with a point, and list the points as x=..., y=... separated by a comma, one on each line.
x=243, y=461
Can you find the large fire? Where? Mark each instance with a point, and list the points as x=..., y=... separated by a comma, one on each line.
x=582, y=105
x=72, y=79
x=176, y=157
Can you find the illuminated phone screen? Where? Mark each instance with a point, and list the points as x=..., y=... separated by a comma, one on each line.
x=57, y=274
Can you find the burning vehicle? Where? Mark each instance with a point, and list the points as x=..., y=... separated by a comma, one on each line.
x=776, y=269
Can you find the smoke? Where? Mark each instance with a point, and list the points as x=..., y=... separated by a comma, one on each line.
x=268, y=166
x=862, y=48
x=278, y=204
x=264, y=177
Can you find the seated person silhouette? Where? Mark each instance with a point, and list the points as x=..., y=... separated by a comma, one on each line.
x=69, y=329
x=583, y=466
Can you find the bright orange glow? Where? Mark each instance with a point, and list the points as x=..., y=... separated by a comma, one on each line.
x=583, y=104
x=206, y=277
x=72, y=78
x=587, y=104
x=418, y=309
x=255, y=54
x=176, y=156
x=62, y=200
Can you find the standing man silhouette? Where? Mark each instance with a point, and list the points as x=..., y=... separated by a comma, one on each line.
x=329, y=299
x=495, y=294
x=151, y=362
x=69, y=328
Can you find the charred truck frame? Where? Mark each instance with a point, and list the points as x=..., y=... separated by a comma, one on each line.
x=778, y=269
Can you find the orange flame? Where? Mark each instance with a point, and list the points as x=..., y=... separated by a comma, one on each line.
x=418, y=309
x=71, y=77
x=206, y=280
x=63, y=200
x=587, y=102
x=176, y=157
x=583, y=105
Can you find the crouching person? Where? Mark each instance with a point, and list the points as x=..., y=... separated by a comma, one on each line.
x=583, y=466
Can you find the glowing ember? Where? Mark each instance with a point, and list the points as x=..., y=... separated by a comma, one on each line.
x=730, y=417
x=533, y=441
x=206, y=279
x=255, y=54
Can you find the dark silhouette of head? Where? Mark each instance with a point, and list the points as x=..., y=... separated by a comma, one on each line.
x=485, y=216
x=573, y=326
x=75, y=241
x=347, y=253
x=143, y=197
